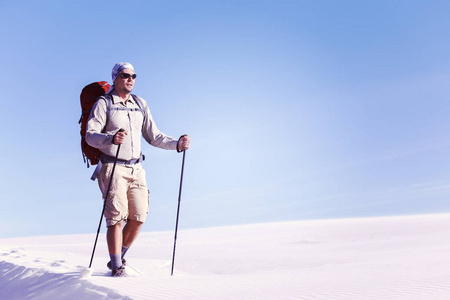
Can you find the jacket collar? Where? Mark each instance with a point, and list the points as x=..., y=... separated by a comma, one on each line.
x=116, y=99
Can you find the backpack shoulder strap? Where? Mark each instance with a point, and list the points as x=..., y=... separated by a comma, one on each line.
x=139, y=103
x=108, y=100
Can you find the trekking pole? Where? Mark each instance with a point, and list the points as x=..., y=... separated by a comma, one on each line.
x=88, y=272
x=178, y=213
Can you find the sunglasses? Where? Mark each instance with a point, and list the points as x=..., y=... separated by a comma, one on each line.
x=126, y=75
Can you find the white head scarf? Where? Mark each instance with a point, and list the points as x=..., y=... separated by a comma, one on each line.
x=118, y=68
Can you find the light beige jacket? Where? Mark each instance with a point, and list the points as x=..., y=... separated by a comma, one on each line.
x=103, y=123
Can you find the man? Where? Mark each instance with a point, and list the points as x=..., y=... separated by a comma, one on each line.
x=121, y=119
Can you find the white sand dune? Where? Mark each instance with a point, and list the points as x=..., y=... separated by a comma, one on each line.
x=367, y=258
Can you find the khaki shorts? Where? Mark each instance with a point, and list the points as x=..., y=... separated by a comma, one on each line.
x=128, y=197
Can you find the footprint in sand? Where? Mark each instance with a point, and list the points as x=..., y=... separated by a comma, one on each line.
x=58, y=263
x=16, y=253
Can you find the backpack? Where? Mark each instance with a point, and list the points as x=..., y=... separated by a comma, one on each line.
x=88, y=97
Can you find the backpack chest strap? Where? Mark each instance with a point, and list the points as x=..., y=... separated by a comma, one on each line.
x=110, y=107
x=125, y=108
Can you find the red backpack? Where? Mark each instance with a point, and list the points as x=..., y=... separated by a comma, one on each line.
x=88, y=97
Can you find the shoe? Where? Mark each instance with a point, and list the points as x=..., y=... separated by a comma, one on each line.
x=124, y=263
x=119, y=272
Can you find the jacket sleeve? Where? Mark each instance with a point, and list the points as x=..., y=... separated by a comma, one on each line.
x=152, y=134
x=95, y=134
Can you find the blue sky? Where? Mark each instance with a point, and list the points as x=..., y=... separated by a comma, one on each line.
x=296, y=109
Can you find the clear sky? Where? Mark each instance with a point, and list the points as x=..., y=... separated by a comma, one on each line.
x=296, y=109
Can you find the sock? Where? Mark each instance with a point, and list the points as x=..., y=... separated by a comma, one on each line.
x=116, y=261
x=124, y=250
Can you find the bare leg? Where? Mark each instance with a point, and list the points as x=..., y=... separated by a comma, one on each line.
x=114, y=238
x=131, y=232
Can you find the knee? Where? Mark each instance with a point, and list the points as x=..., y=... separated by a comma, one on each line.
x=135, y=223
x=118, y=225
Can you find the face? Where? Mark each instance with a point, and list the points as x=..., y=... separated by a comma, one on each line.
x=124, y=85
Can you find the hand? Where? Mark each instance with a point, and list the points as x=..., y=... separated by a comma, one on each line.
x=119, y=137
x=183, y=143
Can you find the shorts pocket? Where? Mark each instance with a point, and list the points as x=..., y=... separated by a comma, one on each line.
x=148, y=201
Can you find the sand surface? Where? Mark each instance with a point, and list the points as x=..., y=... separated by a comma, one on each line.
x=367, y=258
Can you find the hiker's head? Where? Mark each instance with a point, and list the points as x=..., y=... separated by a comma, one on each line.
x=123, y=77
